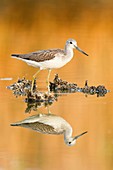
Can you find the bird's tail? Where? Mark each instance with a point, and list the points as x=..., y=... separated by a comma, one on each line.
x=15, y=124
x=15, y=55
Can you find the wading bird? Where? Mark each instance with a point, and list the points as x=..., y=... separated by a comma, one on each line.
x=49, y=59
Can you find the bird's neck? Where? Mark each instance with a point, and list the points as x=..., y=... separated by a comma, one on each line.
x=68, y=51
x=68, y=133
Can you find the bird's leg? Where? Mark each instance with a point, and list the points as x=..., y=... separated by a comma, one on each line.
x=34, y=76
x=48, y=109
x=47, y=81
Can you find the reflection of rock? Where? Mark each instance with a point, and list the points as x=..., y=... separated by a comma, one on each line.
x=40, y=99
x=50, y=124
x=35, y=105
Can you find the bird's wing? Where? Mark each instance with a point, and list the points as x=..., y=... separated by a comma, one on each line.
x=43, y=123
x=40, y=127
x=40, y=56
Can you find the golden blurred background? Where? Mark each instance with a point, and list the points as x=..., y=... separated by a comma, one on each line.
x=31, y=25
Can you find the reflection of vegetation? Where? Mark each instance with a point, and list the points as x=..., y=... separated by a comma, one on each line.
x=34, y=105
x=50, y=124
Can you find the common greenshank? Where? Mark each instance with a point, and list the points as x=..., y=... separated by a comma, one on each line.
x=49, y=59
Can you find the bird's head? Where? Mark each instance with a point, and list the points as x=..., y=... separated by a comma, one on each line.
x=71, y=43
x=72, y=141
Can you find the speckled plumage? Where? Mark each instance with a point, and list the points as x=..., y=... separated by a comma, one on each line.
x=40, y=56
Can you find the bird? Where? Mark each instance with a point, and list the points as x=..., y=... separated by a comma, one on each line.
x=50, y=124
x=49, y=59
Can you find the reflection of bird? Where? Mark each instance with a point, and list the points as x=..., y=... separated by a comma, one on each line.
x=50, y=59
x=50, y=124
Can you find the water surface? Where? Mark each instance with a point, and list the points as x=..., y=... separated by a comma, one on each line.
x=25, y=149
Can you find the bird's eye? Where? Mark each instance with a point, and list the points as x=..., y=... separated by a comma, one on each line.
x=70, y=42
x=69, y=142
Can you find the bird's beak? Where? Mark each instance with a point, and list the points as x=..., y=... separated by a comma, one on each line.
x=81, y=50
x=76, y=137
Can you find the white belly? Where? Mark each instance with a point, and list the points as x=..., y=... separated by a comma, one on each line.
x=54, y=63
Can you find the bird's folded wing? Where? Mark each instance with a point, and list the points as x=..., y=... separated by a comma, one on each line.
x=40, y=127
x=40, y=56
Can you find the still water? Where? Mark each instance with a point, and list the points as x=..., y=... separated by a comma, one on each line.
x=25, y=149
